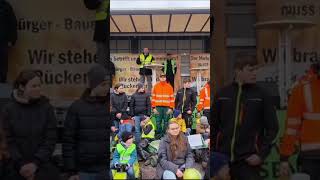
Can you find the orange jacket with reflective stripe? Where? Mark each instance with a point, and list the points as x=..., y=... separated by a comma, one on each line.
x=204, y=102
x=303, y=118
x=162, y=95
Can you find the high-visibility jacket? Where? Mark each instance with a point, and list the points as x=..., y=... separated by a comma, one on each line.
x=303, y=118
x=162, y=95
x=102, y=11
x=145, y=61
x=125, y=154
x=173, y=66
x=151, y=134
x=204, y=102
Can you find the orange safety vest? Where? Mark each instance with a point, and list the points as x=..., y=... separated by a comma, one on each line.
x=303, y=118
x=162, y=95
x=204, y=102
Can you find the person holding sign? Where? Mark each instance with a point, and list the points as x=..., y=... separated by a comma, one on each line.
x=244, y=122
x=162, y=104
x=145, y=58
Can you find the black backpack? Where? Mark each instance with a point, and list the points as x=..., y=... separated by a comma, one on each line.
x=92, y=4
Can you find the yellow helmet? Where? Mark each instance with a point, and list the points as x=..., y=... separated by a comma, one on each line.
x=192, y=173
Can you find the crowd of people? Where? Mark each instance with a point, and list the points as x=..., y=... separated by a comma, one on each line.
x=173, y=122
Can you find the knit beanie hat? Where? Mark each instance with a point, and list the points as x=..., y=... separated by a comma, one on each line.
x=204, y=120
x=96, y=75
x=218, y=160
x=126, y=136
x=176, y=113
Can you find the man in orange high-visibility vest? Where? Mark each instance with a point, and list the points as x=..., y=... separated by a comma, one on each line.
x=204, y=100
x=303, y=125
x=162, y=104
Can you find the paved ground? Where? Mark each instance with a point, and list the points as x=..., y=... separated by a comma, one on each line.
x=149, y=172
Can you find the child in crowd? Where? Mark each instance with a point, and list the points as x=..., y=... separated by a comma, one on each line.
x=126, y=124
x=177, y=116
x=203, y=127
x=125, y=154
x=147, y=136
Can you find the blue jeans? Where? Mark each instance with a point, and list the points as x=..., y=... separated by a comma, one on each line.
x=137, y=121
x=130, y=173
x=168, y=175
x=91, y=176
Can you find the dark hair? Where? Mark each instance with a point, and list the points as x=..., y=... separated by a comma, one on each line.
x=186, y=80
x=118, y=85
x=3, y=145
x=245, y=59
x=178, y=144
x=24, y=77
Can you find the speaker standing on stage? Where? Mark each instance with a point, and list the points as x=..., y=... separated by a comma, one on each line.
x=145, y=58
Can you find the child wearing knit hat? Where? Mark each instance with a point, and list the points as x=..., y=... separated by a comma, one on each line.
x=126, y=154
x=203, y=127
x=177, y=116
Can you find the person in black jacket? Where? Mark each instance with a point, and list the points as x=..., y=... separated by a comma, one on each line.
x=8, y=36
x=140, y=105
x=30, y=127
x=119, y=104
x=244, y=121
x=85, y=145
x=185, y=101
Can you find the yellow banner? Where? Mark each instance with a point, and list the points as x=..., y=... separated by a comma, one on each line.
x=56, y=40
